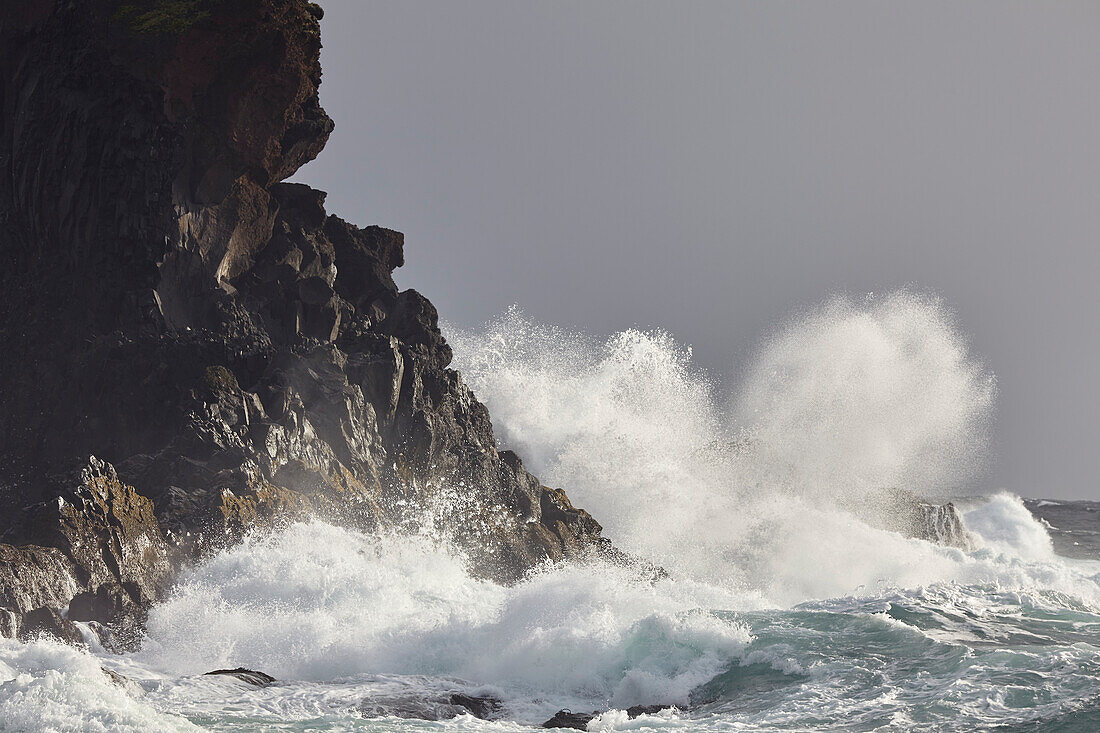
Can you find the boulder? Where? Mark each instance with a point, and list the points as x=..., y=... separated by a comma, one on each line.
x=569, y=719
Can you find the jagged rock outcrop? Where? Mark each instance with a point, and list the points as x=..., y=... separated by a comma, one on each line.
x=95, y=548
x=913, y=516
x=229, y=352
x=939, y=523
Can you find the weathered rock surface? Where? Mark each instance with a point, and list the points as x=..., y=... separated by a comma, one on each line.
x=916, y=517
x=939, y=523
x=94, y=547
x=229, y=352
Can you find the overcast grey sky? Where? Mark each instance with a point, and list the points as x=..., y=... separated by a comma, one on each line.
x=712, y=167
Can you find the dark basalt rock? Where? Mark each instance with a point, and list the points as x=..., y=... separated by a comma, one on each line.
x=46, y=622
x=231, y=353
x=580, y=721
x=483, y=707
x=635, y=710
x=252, y=677
x=95, y=547
x=569, y=719
x=431, y=706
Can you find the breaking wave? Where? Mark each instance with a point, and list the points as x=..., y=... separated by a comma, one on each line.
x=840, y=409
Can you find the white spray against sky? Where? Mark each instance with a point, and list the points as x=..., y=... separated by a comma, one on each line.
x=855, y=396
x=843, y=403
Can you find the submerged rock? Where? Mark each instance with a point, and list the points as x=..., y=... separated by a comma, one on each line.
x=233, y=354
x=580, y=721
x=636, y=710
x=432, y=707
x=251, y=676
x=122, y=681
x=484, y=707
x=569, y=719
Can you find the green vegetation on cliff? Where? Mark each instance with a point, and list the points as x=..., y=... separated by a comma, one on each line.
x=167, y=17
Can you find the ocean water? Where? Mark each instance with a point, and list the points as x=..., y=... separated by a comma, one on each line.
x=791, y=603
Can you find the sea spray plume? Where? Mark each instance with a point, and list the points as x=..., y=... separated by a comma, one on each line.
x=624, y=421
x=556, y=385
x=781, y=488
x=856, y=396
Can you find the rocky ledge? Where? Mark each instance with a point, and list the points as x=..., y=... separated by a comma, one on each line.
x=192, y=347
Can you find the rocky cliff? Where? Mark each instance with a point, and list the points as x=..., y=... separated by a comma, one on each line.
x=191, y=346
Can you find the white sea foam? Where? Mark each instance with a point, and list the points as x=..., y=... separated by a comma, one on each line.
x=46, y=686
x=317, y=602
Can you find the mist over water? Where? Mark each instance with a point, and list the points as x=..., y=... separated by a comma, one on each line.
x=792, y=601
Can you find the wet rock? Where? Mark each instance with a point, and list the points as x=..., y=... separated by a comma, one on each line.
x=109, y=600
x=914, y=516
x=483, y=707
x=233, y=354
x=569, y=719
x=910, y=514
x=46, y=622
x=252, y=677
x=940, y=523
x=580, y=721
x=431, y=706
x=636, y=710
x=98, y=550
x=9, y=624
x=120, y=680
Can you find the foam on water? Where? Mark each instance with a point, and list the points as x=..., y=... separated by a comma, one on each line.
x=790, y=604
x=46, y=686
x=317, y=602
